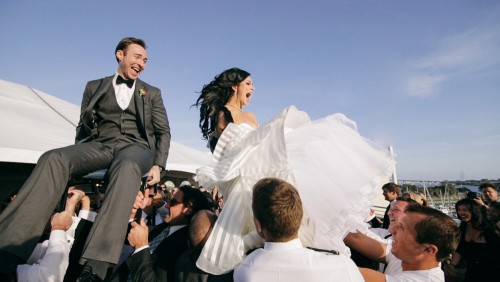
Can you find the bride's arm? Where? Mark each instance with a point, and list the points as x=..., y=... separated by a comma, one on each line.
x=221, y=124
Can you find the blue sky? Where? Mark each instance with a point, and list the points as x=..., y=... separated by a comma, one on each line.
x=422, y=76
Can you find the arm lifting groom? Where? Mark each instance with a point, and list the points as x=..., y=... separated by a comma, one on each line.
x=123, y=127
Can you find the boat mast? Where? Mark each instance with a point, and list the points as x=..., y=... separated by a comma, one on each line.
x=394, y=176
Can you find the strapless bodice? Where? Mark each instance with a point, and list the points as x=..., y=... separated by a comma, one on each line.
x=246, y=126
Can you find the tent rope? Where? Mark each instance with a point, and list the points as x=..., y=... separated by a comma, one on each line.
x=54, y=109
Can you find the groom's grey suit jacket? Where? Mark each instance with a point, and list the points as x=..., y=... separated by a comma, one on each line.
x=150, y=112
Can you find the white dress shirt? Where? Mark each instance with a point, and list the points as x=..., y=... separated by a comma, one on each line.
x=382, y=233
x=393, y=263
x=123, y=93
x=290, y=261
x=429, y=275
x=52, y=267
x=158, y=218
x=50, y=259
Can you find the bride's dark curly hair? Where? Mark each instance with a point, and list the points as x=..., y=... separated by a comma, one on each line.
x=215, y=95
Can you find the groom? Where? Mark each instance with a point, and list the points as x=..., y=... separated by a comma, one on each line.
x=123, y=127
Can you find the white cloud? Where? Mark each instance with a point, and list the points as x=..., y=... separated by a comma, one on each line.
x=466, y=53
x=424, y=85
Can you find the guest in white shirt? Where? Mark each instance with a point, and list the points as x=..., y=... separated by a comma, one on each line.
x=50, y=259
x=52, y=266
x=422, y=238
x=381, y=250
x=277, y=212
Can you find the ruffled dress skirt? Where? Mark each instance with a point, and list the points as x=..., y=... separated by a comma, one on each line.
x=336, y=170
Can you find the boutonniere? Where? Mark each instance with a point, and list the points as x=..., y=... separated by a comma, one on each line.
x=143, y=92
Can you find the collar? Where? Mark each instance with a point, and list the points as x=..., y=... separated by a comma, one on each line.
x=116, y=85
x=278, y=246
x=175, y=228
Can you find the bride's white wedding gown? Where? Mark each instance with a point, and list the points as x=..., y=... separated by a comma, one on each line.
x=336, y=170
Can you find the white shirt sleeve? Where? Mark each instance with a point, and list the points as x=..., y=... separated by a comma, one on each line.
x=38, y=252
x=88, y=215
x=53, y=266
x=140, y=249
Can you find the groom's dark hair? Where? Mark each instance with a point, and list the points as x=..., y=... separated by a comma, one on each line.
x=125, y=42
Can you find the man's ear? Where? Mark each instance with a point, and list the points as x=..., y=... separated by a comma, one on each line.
x=187, y=210
x=431, y=249
x=258, y=227
x=119, y=54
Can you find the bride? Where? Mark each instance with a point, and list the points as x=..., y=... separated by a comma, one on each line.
x=336, y=170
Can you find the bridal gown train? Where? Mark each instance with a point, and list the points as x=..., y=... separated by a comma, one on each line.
x=336, y=170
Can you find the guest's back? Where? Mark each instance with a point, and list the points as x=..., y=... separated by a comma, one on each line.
x=277, y=210
x=295, y=263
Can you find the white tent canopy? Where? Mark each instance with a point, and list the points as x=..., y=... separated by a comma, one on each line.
x=33, y=122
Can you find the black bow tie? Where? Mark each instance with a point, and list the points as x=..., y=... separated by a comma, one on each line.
x=120, y=80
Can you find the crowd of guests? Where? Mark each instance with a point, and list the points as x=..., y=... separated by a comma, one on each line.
x=477, y=257
x=168, y=229
x=159, y=235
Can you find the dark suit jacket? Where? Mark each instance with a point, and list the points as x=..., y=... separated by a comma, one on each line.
x=159, y=266
x=74, y=267
x=386, y=221
x=151, y=114
x=187, y=271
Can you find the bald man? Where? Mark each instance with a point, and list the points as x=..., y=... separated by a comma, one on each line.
x=199, y=229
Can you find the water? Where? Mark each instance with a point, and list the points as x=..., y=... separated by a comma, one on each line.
x=473, y=188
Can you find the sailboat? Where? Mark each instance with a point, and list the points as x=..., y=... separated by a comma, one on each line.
x=443, y=206
x=428, y=195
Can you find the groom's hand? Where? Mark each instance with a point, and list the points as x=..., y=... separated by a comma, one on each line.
x=154, y=175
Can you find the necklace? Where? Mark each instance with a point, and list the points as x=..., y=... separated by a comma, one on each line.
x=235, y=107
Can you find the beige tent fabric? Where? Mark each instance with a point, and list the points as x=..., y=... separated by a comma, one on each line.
x=33, y=122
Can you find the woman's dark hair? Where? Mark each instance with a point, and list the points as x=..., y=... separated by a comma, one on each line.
x=477, y=219
x=215, y=95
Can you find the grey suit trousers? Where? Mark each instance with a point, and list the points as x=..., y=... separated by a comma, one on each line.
x=24, y=219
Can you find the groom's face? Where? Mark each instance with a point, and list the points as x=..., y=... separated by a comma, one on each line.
x=132, y=61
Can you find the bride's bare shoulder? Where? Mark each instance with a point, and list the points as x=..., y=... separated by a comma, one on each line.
x=251, y=119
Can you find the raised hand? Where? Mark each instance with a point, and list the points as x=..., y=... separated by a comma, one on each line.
x=141, y=201
x=154, y=175
x=74, y=197
x=61, y=221
x=138, y=235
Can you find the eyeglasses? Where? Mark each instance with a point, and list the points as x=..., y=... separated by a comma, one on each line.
x=174, y=202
